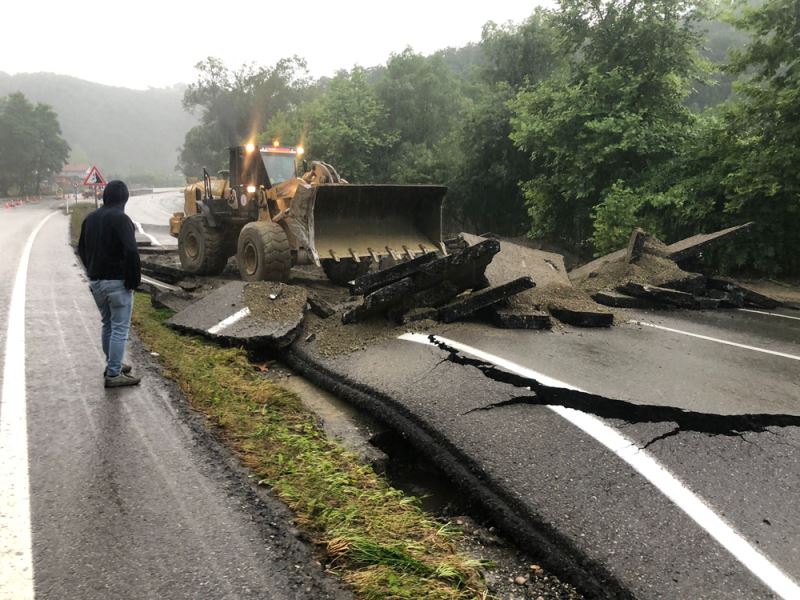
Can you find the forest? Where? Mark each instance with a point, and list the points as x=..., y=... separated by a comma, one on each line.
x=571, y=127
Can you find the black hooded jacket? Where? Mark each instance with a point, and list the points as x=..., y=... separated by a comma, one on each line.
x=107, y=245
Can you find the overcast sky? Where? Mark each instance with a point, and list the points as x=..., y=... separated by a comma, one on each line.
x=148, y=43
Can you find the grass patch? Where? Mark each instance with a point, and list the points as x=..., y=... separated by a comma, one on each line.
x=374, y=537
x=77, y=214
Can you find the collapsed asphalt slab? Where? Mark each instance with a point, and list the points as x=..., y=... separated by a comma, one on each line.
x=257, y=314
x=677, y=251
x=554, y=292
x=554, y=490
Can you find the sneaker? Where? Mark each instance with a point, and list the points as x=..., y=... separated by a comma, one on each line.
x=121, y=380
x=125, y=369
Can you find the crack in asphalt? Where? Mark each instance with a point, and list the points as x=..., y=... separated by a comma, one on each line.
x=611, y=408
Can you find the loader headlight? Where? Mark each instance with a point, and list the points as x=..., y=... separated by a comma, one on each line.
x=251, y=189
x=249, y=148
x=300, y=151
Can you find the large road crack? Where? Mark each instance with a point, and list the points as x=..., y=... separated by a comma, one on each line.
x=612, y=408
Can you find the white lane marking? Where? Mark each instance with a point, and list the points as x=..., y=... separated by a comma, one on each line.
x=16, y=555
x=761, y=312
x=160, y=284
x=141, y=230
x=234, y=318
x=647, y=466
x=717, y=340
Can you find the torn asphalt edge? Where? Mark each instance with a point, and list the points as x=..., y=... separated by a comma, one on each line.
x=610, y=408
x=520, y=521
x=557, y=553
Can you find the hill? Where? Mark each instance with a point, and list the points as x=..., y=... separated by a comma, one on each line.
x=126, y=133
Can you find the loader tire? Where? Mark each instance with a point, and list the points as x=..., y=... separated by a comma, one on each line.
x=344, y=271
x=201, y=247
x=263, y=252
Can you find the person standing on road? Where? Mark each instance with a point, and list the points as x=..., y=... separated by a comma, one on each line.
x=108, y=250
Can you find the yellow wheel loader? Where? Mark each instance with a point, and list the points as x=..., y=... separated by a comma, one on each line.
x=271, y=218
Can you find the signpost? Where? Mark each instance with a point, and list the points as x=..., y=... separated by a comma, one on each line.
x=94, y=179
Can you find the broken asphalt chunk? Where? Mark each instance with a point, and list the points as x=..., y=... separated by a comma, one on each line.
x=657, y=294
x=512, y=318
x=694, y=245
x=242, y=313
x=372, y=281
x=635, y=245
x=620, y=300
x=582, y=318
x=467, y=305
x=749, y=297
x=320, y=307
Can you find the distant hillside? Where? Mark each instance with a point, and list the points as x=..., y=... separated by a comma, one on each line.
x=124, y=132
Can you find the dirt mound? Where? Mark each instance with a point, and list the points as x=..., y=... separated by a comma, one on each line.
x=649, y=269
x=275, y=302
x=330, y=337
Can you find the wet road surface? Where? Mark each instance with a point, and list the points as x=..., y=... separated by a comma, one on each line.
x=722, y=419
x=129, y=496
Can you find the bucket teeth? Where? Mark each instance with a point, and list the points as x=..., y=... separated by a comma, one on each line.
x=373, y=254
x=408, y=252
x=392, y=253
x=354, y=254
x=335, y=256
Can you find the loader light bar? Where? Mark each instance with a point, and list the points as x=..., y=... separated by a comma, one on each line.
x=274, y=150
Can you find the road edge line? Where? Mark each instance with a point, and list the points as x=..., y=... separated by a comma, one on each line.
x=769, y=314
x=16, y=547
x=713, y=339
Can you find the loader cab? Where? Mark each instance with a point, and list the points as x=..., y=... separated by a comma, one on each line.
x=280, y=163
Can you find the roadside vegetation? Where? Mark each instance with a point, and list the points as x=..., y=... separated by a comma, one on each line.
x=31, y=146
x=78, y=212
x=374, y=537
x=572, y=126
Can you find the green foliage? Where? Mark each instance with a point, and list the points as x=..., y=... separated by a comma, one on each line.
x=486, y=190
x=235, y=106
x=762, y=128
x=421, y=95
x=615, y=112
x=31, y=146
x=576, y=124
x=373, y=536
x=345, y=126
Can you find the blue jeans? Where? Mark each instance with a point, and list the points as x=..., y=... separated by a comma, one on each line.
x=115, y=304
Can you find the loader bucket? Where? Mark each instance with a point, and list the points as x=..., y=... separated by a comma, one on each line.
x=359, y=221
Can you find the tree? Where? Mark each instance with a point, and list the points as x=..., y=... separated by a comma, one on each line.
x=487, y=185
x=613, y=115
x=236, y=105
x=344, y=125
x=31, y=146
x=762, y=181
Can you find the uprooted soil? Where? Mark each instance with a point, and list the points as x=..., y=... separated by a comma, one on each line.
x=649, y=269
x=333, y=338
x=555, y=297
x=275, y=302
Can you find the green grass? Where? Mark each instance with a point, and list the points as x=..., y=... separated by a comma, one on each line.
x=374, y=537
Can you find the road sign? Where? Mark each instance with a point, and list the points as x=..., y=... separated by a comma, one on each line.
x=94, y=177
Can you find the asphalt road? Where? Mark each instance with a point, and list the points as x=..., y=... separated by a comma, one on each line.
x=151, y=213
x=128, y=495
x=695, y=500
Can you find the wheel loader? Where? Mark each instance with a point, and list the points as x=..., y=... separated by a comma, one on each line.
x=271, y=218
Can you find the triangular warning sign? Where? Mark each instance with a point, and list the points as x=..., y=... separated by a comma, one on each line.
x=94, y=178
